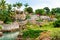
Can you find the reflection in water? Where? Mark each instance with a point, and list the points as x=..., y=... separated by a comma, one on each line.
x=9, y=36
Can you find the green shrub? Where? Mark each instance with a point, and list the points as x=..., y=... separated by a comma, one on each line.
x=33, y=26
x=8, y=20
x=57, y=15
x=39, y=20
x=32, y=33
x=40, y=11
x=47, y=24
x=0, y=26
x=28, y=17
x=29, y=10
x=56, y=23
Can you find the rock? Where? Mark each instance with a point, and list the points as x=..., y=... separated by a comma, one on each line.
x=34, y=17
x=53, y=19
x=1, y=22
x=44, y=36
x=45, y=18
x=10, y=27
x=28, y=38
x=1, y=34
x=19, y=37
x=47, y=38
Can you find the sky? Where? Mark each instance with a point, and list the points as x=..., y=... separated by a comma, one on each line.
x=37, y=4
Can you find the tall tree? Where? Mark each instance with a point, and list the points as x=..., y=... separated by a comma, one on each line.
x=9, y=7
x=5, y=11
x=26, y=5
x=19, y=4
x=47, y=10
x=3, y=4
x=57, y=10
x=14, y=5
x=17, y=7
x=29, y=10
x=53, y=10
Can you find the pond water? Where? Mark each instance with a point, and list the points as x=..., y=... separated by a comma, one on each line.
x=9, y=36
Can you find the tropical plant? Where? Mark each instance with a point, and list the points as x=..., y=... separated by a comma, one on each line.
x=9, y=8
x=19, y=4
x=14, y=5
x=5, y=11
x=47, y=10
x=56, y=23
x=53, y=10
x=39, y=11
x=28, y=16
x=57, y=10
x=31, y=33
x=1, y=27
x=29, y=10
x=3, y=4
x=26, y=5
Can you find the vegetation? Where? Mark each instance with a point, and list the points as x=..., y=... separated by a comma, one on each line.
x=57, y=23
x=0, y=27
x=29, y=10
x=26, y=5
x=31, y=33
x=5, y=12
x=39, y=11
x=27, y=16
x=32, y=30
x=47, y=10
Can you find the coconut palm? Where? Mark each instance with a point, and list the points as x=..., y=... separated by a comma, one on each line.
x=2, y=4
x=26, y=5
x=19, y=4
x=5, y=11
x=14, y=5
x=9, y=8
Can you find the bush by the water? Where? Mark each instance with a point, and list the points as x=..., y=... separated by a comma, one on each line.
x=31, y=33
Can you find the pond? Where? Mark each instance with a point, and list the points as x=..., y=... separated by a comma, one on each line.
x=9, y=36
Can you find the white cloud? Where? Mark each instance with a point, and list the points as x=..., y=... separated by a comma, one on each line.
x=47, y=3
x=35, y=4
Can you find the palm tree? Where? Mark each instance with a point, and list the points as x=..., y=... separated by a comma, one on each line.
x=19, y=4
x=47, y=10
x=25, y=9
x=26, y=5
x=3, y=2
x=9, y=8
x=14, y=5
x=5, y=11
